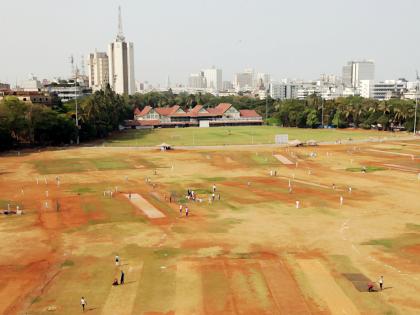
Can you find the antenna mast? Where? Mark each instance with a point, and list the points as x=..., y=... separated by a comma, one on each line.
x=72, y=64
x=120, y=35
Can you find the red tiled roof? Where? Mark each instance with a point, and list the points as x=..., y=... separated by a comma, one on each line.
x=222, y=108
x=248, y=113
x=144, y=112
x=195, y=112
x=167, y=111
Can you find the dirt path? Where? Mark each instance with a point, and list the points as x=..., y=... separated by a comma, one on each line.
x=283, y=288
x=121, y=298
x=189, y=299
x=283, y=159
x=142, y=204
x=392, y=153
x=326, y=288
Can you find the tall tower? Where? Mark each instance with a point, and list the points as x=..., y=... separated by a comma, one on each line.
x=121, y=62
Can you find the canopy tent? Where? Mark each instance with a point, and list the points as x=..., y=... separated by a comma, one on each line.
x=295, y=143
x=312, y=142
x=164, y=146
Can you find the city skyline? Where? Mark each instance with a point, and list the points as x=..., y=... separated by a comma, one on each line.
x=169, y=43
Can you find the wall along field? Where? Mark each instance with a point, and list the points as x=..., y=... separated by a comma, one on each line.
x=251, y=252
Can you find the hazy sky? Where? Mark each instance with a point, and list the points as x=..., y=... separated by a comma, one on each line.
x=295, y=39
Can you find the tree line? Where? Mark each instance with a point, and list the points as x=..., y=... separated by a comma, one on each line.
x=27, y=124
x=102, y=112
x=353, y=111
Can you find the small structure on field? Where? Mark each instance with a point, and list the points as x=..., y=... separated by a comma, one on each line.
x=164, y=146
x=295, y=143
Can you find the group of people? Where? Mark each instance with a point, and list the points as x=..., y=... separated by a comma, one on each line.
x=381, y=284
x=83, y=302
x=187, y=211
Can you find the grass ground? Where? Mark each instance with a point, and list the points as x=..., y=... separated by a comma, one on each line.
x=251, y=252
x=235, y=135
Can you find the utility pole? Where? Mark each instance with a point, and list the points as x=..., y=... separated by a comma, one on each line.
x=266, y=104
x=322, y=112
x=417, y=104
x=77, y=109
x=75, y=94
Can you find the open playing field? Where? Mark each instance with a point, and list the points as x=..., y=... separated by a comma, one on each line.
x=238, y=135
x=251, y=252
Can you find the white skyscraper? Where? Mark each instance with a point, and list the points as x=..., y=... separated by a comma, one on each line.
x=244, y=81
x=121, y=63
x=355, y=71
x=98, y=70
x=213, y=78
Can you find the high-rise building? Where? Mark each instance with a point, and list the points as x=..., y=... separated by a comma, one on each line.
x=213, y=78
x=244, y=81
x=121, y=63
x=98, y=70
x=355, y=71
x=263, y=79
x=197, y=80
x=283, y=91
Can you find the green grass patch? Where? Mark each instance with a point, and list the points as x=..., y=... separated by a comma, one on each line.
x=412, y=226
x=369, y=169
x=234, y=135
x=215, y=179
x=67, y=263
x=74, y=165
x=396, y=244
x=82, y=190
x=387, y=243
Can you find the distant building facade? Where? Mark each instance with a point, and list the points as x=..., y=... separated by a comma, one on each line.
x=98, y=64
x=213, y=78
x=121, y=64
x=32, y=84
x=68, y=90
x=223, y=114
x=355, y=71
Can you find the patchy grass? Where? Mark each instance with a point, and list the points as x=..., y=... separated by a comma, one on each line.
x=412, y=226
x=82, y=190
x=369, y=169
x=67, y=263
x=74, y=165
x=215, y=179
x=396, y=244
x=234, y=135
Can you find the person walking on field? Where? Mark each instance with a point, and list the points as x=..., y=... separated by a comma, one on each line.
x=83, y=303
x=186, y=211
x=117, y=260
x=381, y=282
x=122, y=277
x=180, y=210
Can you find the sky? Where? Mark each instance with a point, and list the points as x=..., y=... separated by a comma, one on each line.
x=288, y=39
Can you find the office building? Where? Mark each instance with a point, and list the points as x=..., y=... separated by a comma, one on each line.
x=244, y=81
x=121, y=63
x=263, y=80
x=98, y=70
x=32, y=84
x=283, y=91
x=355, y=71
x=197, y=81
x=213, y=78
x=68, y=90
